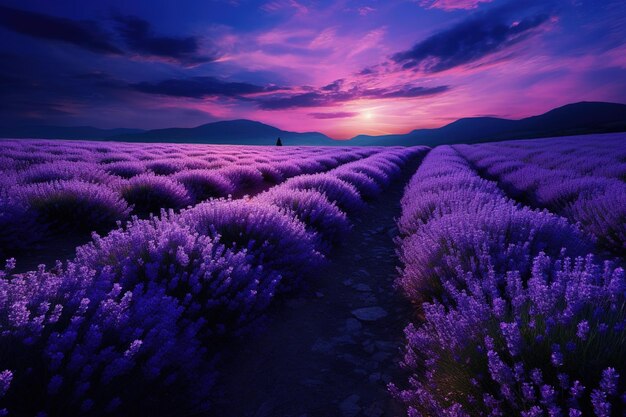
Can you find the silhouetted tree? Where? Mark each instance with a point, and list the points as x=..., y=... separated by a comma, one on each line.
x=279, y=142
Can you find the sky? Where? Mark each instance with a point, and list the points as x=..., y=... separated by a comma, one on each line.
x=342, y=68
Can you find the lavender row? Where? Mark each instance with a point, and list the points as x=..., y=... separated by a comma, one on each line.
x=135, y=323
x=49, y=188
x=517, y=319
x=574, y=177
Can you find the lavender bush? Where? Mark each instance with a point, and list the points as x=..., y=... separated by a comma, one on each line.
x=134, y=324
x=148, y=193
x=74, y=345
x=452, y=219
x=202, y=184
x=215, y=285
x=573, y=177
x=275, y=240
x=517, y=328
x=125, y=169
x=203, y=171
x=344, y=194
x=551, y=346
x=74, y=205
x=314, y=210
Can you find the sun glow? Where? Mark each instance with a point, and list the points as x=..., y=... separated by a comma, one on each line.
x=367, y=114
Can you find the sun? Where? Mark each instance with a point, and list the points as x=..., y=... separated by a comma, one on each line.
x=367, y=114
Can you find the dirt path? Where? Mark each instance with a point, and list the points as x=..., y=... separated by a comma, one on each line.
x=332, y=350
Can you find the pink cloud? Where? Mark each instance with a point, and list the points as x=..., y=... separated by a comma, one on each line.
x=281, y=5
x=333, y=115
x=365, y=10
x=452, y=4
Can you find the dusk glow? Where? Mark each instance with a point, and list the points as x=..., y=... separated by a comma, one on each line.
x=339, y=67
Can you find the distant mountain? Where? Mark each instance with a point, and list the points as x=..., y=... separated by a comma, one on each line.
x=571, y=119
x=63, y=132
x=236, y=132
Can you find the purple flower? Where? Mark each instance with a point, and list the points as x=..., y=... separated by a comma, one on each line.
x=609, y=380
x=513, y=337
x=133, y=349
x=582, y=330
x=534, y=411
x=528, y=391
x=556, y=357
x=548, y=395
x=601, y=406
x=6, y=377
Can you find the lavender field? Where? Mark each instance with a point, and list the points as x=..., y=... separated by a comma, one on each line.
x=146, y=279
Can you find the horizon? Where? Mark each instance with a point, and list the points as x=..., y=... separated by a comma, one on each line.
x=303, y=131
x=340, y=68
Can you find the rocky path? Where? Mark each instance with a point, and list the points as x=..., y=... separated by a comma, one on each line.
x=332, y=350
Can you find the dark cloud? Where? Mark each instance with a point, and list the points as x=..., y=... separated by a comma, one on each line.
x=139, y=38
x=84, y=34
x=201, y=87
x=334, y=115
x=136, y=33
x=404, y=92
x=367, y=71
x=334, y=86
x=472, y=39
x=325, y=96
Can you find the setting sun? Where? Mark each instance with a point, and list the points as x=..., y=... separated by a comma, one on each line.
x=367, y=114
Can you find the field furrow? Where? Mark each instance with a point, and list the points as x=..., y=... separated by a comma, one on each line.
x=573, y=177
x=136, y=322
x=517, y=316
x=54, y=193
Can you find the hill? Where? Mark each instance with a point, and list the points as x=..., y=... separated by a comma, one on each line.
x=571, y=119
x=235, y=132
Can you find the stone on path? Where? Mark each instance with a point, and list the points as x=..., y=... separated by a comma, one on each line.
x=369, y=313
x=353, y=325
x=350, y=406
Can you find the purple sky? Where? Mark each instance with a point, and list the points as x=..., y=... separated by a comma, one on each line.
x=339, y=67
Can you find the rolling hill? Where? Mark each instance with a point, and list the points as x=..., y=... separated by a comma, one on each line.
x=571, y=119
x=235, y=132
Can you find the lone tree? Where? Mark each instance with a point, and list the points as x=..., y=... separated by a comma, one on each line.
x=279, y=142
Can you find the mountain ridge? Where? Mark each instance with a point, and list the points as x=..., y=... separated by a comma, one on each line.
x=237, y=131
x=584, y=117
x=571, y=119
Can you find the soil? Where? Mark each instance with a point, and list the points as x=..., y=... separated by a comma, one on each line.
x=331, y=350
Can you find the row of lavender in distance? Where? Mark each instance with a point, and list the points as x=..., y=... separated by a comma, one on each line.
x=135, y=323
x=51, y=187
x=581, y=178
x=517, y=319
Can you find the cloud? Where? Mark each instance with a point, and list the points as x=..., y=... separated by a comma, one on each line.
x=139, y=38
x=333, y=94
x=201, y=87
x=452, y=4
x=84, y=34
x=365, y=10
x=404, y=92
x=275, y=6
x=136, y=33
x=470, y=40
x=334, y=115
